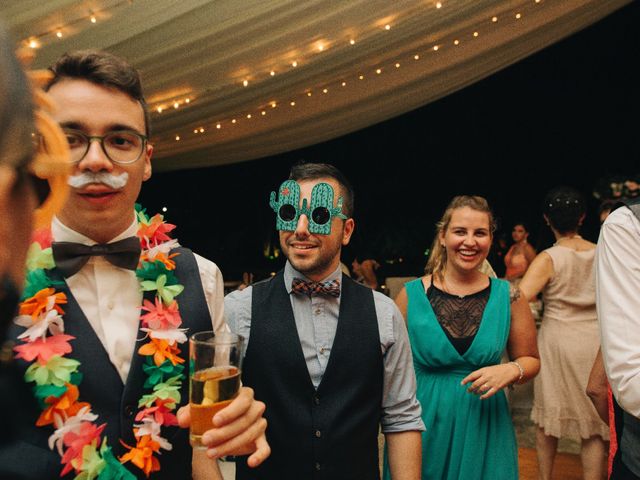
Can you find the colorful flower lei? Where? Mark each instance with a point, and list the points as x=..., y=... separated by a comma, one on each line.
x=57, y=376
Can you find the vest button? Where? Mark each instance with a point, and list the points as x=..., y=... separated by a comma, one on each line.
x=130, y=410
x=318, y=467
x=316, y=399
x=318, y=433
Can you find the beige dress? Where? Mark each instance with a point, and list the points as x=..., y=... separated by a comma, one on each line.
x=568, y=342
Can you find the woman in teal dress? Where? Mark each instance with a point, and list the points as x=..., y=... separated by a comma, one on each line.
x=460, y=321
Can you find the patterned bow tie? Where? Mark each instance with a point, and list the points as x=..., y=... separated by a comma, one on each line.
x=330, y=288
x=70, y=257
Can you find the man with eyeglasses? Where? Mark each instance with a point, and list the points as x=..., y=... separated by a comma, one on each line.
x=329, y=357
x=117, y=365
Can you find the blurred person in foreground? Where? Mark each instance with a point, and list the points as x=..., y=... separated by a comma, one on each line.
x=568, y=339
x=105, y=361
x=330, y=357
x=618, y=291
x=24, y=186
x=460, y=321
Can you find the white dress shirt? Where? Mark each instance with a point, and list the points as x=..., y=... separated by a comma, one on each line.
x=110, y=297
x=618, y=304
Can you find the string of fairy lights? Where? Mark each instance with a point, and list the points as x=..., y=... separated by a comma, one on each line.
x=71, y=26
x=261, y=110
x=167, y=105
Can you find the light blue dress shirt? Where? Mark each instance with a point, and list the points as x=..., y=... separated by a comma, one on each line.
x=316, y=319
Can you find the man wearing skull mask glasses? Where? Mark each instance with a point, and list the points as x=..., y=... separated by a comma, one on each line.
x=329, y=357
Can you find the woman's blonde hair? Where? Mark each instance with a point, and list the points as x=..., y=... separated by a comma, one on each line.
x=438, y=254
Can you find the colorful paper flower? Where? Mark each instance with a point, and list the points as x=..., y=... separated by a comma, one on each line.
x=142, y=455
x=169, y=390
x=69, y=424
x=161, y=252
x=38, y=257
x=157, y=373
x=174, y=335
x=152, y=270
x=57, y=371
x=160, y=317
x=166, y=260
x=154, y=232
x=161, y=412
x=42, y=392
x=151, y=428
x=90, y=465
x=166, y=292
x=51, y=322
x=75, y=443
x=64, y=406
x=37, y=280
x=161, y=350
x=43, y=237
x=113, y=469
x=43, y=349
x=42, y=301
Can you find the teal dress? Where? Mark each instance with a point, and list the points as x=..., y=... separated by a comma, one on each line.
x=465, y=438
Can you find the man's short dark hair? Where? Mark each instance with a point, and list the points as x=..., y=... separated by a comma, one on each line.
x=315, y=171
x=105, y=69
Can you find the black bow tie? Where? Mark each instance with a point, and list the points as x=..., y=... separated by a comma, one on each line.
x=71, y=257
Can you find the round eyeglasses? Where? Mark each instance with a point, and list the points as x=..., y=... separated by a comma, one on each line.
x=120, y=146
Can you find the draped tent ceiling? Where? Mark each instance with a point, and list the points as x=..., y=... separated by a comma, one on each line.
x=255, y=78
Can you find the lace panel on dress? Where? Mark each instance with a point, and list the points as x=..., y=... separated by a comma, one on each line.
x=459, y=316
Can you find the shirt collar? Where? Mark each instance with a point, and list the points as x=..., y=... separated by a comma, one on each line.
x=62, y=233
x=290, y=273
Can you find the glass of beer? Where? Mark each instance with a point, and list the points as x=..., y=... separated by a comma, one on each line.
x=214, y=378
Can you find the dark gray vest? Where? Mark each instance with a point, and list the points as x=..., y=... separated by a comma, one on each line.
x=325, y=434
x=114, y=403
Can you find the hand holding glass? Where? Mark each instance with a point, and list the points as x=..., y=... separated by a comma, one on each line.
x=214, y=372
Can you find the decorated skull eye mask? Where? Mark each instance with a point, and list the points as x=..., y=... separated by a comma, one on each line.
x=320, y=212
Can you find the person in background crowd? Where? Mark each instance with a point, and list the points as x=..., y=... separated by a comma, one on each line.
x=604, y=209
x=330, y=358
x=460, y=321
x=497, y=252
x=520, y=254
x=77, y=332
x=364, y=271
x=568, y=338
x=617, y=291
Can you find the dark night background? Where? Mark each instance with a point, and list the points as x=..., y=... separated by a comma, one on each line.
x=566, y=115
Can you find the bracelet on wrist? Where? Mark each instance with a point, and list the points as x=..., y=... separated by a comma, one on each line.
x=520, y=369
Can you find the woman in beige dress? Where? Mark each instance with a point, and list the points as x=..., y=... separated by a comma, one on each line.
x=568, y=340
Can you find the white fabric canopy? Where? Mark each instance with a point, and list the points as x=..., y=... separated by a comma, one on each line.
x=357, y=62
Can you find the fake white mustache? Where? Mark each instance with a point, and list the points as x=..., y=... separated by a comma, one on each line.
x=106, y=178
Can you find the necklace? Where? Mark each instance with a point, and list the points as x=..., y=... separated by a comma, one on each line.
x=57, y=376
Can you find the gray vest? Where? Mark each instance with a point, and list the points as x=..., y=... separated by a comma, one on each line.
x=328, y=433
